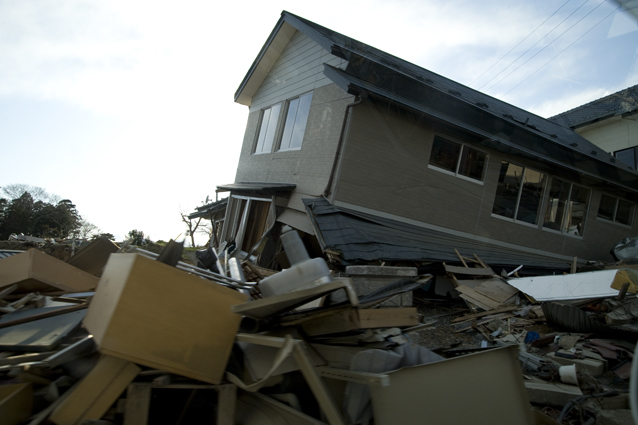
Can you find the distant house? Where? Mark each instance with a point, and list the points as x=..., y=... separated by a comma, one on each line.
x=610, y=122
x=373, y=158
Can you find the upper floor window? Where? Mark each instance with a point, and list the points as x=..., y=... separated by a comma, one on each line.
x=566, y=207
x=267, y=129
x=458, y=159
x=296, y=120
x=628, y=156
x=616, y=210
x=519, y=193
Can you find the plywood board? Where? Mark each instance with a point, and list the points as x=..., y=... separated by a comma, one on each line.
x=16, y=403
x=481, y=299
x=93, y=257
x=470, y=271
x=497, y=290
x=576, y=286
x=96, y=392
x=438, y=393
x=35, y=271
x=354, y=319
x=269, y=306
x=158, y=316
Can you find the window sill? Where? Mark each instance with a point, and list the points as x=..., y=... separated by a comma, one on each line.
x=511, y=220
x=460, y=176
x=558, y=232
x=615, y=223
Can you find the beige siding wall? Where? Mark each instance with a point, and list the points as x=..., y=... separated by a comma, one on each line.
x=613, y=134
x=385, y=168
x=298, y=70
x=309, y=168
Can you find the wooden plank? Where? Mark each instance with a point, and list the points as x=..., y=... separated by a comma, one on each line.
x=354, y=319
x=484, y=313
x=96, y=392
x=496, y=289
x=474, y=303
x=471, y=271
x=265, y=307
x=482, y=299
x=138, y=400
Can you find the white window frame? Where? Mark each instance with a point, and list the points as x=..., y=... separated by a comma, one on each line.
x=285, y=124
x=458, y=161
x=569, y=197
x=271, y=129
x=541, y=207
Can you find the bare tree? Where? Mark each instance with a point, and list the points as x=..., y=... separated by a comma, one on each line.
x=14, y=191
x=192, y=228
x=87, y=230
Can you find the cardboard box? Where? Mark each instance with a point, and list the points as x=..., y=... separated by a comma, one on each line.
x=16, y=403
x=35, y=271
x=158, y=316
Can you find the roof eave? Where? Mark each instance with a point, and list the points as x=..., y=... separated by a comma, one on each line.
x=263, y=63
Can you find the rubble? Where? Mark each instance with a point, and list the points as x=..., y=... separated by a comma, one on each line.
x=117, y=336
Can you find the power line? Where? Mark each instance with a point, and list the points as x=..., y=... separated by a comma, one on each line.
x=520, y=42
x=550, y=43
x=534, y=45
x=559, y=53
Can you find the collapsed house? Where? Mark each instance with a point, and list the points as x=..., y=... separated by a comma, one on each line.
x=374, y=158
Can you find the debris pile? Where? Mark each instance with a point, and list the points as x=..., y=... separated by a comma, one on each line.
x=119, y=335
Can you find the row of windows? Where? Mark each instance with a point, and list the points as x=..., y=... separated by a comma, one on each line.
x=288, y=137
x=520, y=190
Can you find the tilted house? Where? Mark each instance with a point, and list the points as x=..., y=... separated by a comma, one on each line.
x=380, y=159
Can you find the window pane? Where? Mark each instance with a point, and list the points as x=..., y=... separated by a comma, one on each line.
x=607, y=207
x=625, y=212
x=557, y=201
x=290, y=123
x=472, y=163
x=628, y=156
x=445, y=154
x=262, y=131
x=531, y=196
x=577, y=211
x=296, y=120
x=507, y=190
x=268, y=129
x=301, y=120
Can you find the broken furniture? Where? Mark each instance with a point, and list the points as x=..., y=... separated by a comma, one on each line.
x=34, y=270
x=155, y=315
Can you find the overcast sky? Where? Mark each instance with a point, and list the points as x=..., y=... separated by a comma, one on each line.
x=126, y=107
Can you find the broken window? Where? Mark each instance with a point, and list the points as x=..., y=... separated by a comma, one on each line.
x=267, y=129
x=249, y=221
x=628, y=156
x=566, y=207
x=296, y=120
x=458, y=159
x=616, y=210
x=519, y=193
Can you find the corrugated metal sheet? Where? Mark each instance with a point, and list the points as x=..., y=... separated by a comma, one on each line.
x=4, y=253
x=209, y=209
x=364, y=237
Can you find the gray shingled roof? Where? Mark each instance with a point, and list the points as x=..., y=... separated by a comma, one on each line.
x=361, y=237
x=622, y=102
